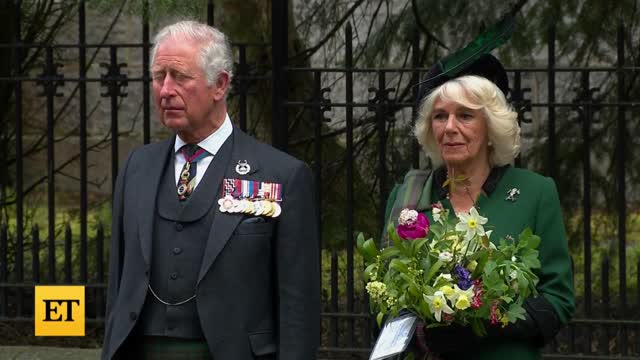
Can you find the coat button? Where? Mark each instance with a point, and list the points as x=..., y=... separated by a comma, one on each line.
x=174, y=276
x=133, y=316
x=177, y=250
x=179, y=226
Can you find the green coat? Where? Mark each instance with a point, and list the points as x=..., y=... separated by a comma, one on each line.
x=538, y=207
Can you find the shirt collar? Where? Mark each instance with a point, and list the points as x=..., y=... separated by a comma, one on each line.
x=489, y=186
x=213, y=142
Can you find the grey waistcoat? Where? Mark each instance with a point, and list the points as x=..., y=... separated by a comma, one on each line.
x=180, y=235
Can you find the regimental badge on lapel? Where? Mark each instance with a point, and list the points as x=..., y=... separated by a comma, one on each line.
x=243, y=167
x=512, y=194
x=251, y=197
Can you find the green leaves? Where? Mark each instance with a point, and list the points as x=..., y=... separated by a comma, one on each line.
x=367, y=248
x=379, y=319
x=528, y=240
x=515, y=312
x=433, y=270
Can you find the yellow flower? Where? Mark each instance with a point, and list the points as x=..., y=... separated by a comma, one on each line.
x=376, y=289
x=504, y=320
x=463, y=302
x=460, y=298
x=447, y=290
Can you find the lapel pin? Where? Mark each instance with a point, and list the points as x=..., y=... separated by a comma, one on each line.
x=243, y=167
x=512, y=194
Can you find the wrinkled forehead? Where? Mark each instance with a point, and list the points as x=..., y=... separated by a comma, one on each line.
x=176, y=52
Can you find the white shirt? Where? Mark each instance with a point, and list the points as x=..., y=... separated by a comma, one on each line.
x=211, y=144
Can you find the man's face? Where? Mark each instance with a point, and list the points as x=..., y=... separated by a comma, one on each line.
x=185, y=102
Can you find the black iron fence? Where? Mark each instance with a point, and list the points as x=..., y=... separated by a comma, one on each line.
x=353, y=127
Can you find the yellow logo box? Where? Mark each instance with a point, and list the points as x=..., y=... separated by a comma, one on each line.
x=59, y=311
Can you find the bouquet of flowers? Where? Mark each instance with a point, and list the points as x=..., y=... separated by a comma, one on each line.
x=449, y=272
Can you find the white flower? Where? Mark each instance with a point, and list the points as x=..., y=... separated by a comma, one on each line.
x=447, y=277
x=513, y=274
x=445, y=256
x=514, y=259
x=438, y=304
x=407, y=217
x=471, y=223
x=436, y=214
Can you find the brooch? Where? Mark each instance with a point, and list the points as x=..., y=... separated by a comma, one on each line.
x=512, y=194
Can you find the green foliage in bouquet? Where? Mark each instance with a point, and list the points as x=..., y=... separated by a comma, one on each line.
x=449, y=271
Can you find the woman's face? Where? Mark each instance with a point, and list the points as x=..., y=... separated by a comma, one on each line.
x=460, y=133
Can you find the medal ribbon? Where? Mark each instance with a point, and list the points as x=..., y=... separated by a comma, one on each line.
x=252, y=190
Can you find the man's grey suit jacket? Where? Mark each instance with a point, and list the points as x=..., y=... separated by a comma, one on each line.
x=258, y=289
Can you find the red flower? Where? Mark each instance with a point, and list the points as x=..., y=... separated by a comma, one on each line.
x=494, y=313
x=414, y=229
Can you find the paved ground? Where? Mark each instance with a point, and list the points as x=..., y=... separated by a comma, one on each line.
x=46, y=353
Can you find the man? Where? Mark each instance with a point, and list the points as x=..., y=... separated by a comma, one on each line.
x=214, y=247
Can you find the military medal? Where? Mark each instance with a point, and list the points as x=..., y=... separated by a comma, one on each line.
x=277, y=210
x=237, y=206
x=250, y=197
x=249, y=208
x=226, y=203
x=258, y=208
x=268, y=208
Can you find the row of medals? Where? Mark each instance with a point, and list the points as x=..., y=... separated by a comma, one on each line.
x=255, y=207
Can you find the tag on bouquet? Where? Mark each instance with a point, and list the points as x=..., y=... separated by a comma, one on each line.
x=394, y=337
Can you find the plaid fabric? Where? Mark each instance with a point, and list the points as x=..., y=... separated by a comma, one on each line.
x=410, y=195
x=166, y=348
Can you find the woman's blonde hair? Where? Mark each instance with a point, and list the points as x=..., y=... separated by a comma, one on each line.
x=474, y=92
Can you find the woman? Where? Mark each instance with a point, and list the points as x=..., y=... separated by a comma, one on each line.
x=471, y=134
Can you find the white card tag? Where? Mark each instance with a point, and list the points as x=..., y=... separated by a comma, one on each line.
x=394, y=337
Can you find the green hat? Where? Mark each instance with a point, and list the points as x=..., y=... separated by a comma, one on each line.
x=473, y=59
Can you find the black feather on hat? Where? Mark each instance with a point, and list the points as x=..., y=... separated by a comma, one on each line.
x=473, y=59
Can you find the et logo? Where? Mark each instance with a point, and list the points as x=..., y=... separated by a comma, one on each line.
x=59, y=311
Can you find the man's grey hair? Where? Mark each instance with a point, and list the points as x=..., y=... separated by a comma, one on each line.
x=215, y=54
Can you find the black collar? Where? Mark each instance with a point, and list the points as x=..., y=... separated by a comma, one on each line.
x=489, y=186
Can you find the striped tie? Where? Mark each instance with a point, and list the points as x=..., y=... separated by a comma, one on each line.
x=187, y=182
